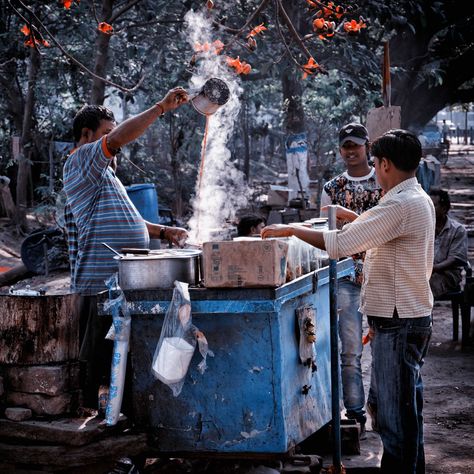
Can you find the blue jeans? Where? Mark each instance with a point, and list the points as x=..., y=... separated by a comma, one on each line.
x=350, y=334
x=399, y=347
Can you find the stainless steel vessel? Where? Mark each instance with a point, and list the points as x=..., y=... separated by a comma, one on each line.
x=211, y=97
x=158, y=269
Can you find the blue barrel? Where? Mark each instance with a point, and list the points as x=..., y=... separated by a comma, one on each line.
x=145, y=199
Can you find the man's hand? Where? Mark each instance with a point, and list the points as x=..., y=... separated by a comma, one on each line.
x=174, y=99
x=342, y=214
x=277, y=230
x=176, y=235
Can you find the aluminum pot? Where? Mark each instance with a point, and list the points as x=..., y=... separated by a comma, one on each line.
x=159, y=269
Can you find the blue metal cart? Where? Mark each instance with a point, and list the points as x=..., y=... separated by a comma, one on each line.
x=256, y=395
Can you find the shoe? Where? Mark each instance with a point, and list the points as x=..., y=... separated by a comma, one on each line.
x=363, y=433
x=372, y=411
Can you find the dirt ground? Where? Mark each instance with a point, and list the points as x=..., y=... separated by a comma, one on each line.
x=448, y=372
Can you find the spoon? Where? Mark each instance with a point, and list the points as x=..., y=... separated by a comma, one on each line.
x=111, y=249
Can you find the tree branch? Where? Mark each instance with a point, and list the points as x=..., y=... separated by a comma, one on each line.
x=124, y=9
x=76, y=61
x=95, y=12
x=146, y=23
x=262, y=5
x=278, y=27
x=293, y=31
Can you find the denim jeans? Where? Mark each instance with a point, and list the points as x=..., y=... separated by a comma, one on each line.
x=350, y=335
x=399, y=347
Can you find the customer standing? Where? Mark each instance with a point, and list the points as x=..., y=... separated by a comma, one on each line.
x=398, y=235
x=356, y=189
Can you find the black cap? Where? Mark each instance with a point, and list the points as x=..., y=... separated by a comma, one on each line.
x=354, y=132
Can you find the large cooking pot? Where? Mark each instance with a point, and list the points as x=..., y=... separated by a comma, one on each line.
x=158, y=269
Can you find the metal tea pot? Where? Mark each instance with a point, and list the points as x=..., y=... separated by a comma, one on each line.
x=213, y=94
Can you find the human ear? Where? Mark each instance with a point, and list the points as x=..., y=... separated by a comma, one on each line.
x=385, y=164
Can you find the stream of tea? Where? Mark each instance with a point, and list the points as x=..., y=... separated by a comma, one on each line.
x=201, y=172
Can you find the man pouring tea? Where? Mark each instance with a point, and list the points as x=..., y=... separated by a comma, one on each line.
x=98, y=210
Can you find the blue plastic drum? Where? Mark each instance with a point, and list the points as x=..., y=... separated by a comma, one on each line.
x=145, y=199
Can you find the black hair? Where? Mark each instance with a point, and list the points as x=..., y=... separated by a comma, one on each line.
x=443, y=197
x=89, y=116
x=247, y=222
x=401, y=147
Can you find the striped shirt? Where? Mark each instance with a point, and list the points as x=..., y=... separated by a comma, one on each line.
x=97, y=210
x=398, y=235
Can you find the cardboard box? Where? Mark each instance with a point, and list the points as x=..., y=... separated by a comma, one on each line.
x=244, y=264
x=278, y=196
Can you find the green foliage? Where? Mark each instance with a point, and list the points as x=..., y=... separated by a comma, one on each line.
x=428, y=38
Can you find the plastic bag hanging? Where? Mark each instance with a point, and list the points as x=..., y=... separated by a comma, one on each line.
x=177, y=342
x=121, y=325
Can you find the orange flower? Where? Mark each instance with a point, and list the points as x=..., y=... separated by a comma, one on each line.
x=339, y=12
x=25, y=30
x=310, y=67
x=29, y=42
x=311, y=4
x=251, y=43
x=318, y=24
x=105, y=28
x=218, y=46
x=45, y=43
x=202, y=48
x=325, y=28
x=257, y=30
x=354, y=26
x=246, y=68
x=68, y=3
x=331, y=10
x=241, y=67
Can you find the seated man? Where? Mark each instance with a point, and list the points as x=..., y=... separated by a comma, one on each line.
x=450, y=251
x=250, y=225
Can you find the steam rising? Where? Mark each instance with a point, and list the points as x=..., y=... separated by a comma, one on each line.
x=223, y=190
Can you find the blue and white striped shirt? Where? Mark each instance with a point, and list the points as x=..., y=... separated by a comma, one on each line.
x=98, y=210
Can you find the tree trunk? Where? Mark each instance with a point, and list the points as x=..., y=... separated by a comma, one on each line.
x=26, y=142
x=417, y=54
x=102, y=47
x=8, y=80
x=294, y=122
x=296, y=140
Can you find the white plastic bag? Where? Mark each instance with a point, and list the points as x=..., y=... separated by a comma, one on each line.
x=177, y=342
x=121, y=337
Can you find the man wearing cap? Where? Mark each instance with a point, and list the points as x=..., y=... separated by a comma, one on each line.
x=356, y=189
